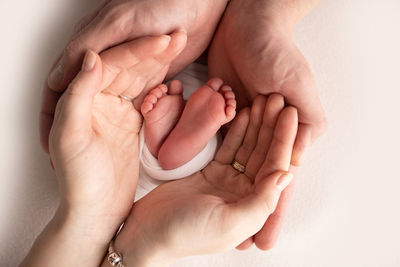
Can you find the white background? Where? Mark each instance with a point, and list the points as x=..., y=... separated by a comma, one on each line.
x=345, y=211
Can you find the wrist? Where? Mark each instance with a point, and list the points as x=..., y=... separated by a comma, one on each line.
x=68, y=240
x=135, y=256
x=86, y=237
x=93, y=231
x=96, y=213
x=139, y=250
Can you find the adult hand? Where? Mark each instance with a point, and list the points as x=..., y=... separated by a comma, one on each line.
x=118, y=21
x=94, y=139
x=253, y=51
x=218, y=208
x=94, y=149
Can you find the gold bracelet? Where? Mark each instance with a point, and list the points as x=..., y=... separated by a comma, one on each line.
x=115, y=258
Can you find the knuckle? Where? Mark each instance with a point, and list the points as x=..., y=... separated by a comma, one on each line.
x=274, y=163
x=73, y=88
x=247, y=147
x=72, y=48
x=117, y=17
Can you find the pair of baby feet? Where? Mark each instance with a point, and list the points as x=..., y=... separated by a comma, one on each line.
x=174, y=132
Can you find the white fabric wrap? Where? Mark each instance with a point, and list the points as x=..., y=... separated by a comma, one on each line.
x=152, y=174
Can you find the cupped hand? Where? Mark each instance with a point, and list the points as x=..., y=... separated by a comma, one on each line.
x=118, y=21
x=218, y=208
x=254, y=51
x=257, y=55
x=94, y=138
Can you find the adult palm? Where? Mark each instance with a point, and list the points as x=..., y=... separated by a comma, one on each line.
x=256, y=54
x=218, y=208
x=94, y=140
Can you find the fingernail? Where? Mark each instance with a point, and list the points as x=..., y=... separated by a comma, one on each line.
x=284, y=180
x=166, y=37
x=163, y=42
x=56, y=77
x=89, y=61
x=297, y=158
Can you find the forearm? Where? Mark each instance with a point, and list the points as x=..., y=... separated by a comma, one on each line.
x=69, y=241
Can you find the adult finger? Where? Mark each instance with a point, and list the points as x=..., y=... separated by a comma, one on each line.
x=48, y=106
x=160, y=49
x=84, y=38
x=246, y=244
x=280, y=150
x=234, y=138
x=312, y=120
x=50, y=96
x=281, y=144
x=306, y=135
x=250, y=140
x=176, y=46
x=133, y=66
x=278, y=158
x=123, y=64
x=249, y=214
x=266, y=238
x=275, y=104
x=74, y=110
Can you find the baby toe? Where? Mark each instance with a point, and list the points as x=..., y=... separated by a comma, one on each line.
x=215, y=83
x=227, y=92
x=231, y=102
x=146, y=108
x=151, y=98
x=157, y=92
x=175, y=88
x=230, y=112
x=230, y=109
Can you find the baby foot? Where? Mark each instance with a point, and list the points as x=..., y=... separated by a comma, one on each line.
x=210, y=106
x=161, y=110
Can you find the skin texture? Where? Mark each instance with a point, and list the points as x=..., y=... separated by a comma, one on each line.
x=261, y=27
x=118, y=21
x=161, y=110
x=94, y=150
x=217, y=208
x=253, y=51
x=208, y=108
x=95, y=133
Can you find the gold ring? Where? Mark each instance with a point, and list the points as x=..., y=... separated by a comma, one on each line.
x=239, y=167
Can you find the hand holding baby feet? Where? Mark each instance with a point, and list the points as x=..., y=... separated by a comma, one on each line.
x=210, y=107
x=105, y=127
x=130, y=69
x=216, y=209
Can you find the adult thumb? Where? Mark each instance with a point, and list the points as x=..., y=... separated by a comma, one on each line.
x=74, y=110
x=251, y=213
